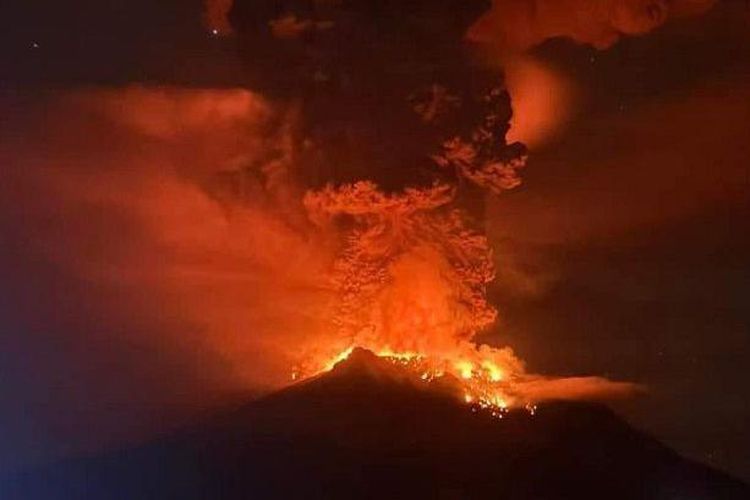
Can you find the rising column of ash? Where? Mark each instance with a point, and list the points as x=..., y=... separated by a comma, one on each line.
x=414, y=264
x=398, y=136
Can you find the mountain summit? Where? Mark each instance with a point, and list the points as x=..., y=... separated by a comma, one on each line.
x=367, y=429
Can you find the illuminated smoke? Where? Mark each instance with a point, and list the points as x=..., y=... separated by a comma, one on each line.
x=212, y=191
x=411, y=281
x=137, y=173
x=543, y=101
x=411, y=274
x=517, y=25
x=198, y=219
x=542, y=97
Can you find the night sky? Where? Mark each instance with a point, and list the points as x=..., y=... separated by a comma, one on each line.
x=626, y=248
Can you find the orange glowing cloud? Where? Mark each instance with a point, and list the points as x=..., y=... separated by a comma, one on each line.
x=185, y=202
x=517, y=25
x=542, y=98
x=132, y=179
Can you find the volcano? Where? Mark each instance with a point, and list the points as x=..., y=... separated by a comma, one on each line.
x=367, y=429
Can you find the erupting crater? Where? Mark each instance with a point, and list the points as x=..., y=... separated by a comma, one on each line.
x=483, y=386
x=477, y=379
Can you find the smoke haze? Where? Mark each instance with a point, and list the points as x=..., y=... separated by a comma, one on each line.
x=104, y=193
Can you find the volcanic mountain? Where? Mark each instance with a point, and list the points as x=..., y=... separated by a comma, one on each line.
x=367, y=429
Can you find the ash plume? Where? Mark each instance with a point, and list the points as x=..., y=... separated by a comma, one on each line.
x=259, y=273
x=517, y=25
x=353, y=242
x=220, y=200
x=402, y=208
x=143, y=161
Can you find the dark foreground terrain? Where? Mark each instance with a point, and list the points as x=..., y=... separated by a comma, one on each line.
x=365, y=431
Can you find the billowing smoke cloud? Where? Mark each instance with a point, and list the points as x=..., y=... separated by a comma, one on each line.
x=183, y=240
x=636, y=189
x=517, y=25
x=131, y=291
x=200, y=178
x=543, y=98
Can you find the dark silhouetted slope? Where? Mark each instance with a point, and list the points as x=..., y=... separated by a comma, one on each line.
x=366, y=430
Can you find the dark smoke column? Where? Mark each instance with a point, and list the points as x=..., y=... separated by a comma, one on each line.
x=381, y=87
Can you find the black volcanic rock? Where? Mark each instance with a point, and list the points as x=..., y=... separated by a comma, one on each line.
x=368, y=430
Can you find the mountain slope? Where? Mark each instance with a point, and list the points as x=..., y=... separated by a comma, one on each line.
x=366, y=430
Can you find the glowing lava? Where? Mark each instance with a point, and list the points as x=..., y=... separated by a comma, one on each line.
x=482, y=384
